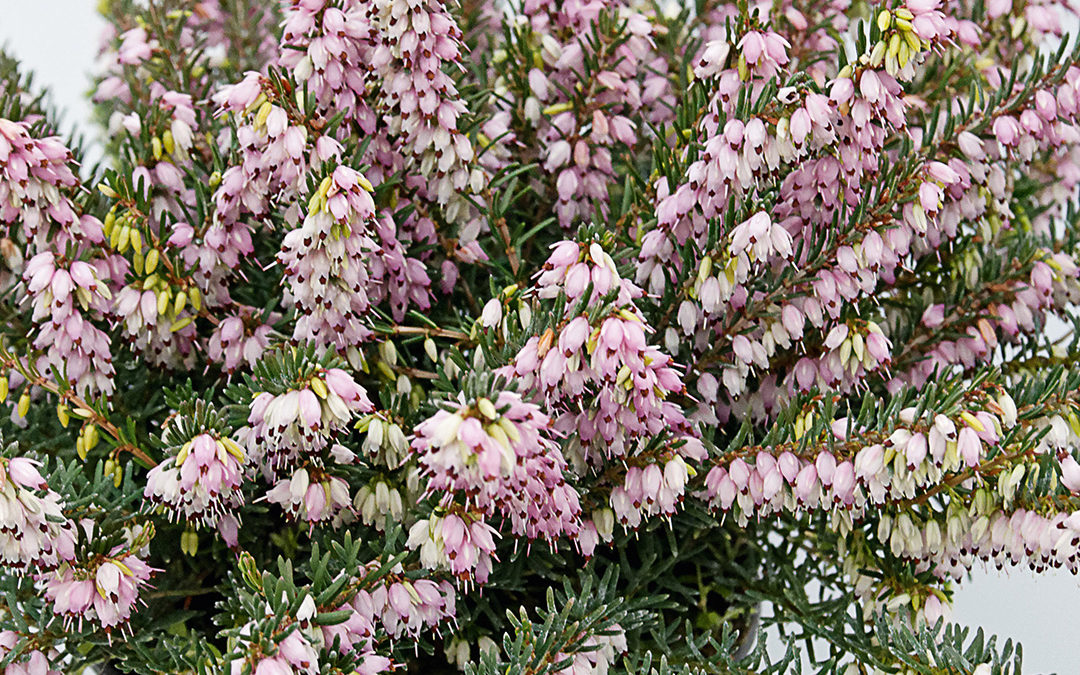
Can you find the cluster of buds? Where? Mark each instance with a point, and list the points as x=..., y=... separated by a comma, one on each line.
x=375, y=500
x=905, y=36
x=157, y=308
x=384, y=440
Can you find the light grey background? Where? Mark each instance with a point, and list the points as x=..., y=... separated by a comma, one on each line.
x=58, y=39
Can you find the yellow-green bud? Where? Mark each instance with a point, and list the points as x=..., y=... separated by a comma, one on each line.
x=180, y=303
x=884, y=20
x=151, y=261
x=487, y=408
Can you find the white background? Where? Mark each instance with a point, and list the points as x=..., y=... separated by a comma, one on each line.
x=58, y=40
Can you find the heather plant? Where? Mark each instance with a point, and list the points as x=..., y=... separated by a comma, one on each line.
x=538, y=337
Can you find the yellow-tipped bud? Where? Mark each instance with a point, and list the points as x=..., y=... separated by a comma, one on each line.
x=24, y=403
x=63, y=415
x=234, y=449
x=878, y=54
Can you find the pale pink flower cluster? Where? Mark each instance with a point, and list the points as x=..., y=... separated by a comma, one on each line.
x=201, y=482
x=35, y=177
x=500, y=456
x=330, y=46
x=458, y=541
x=34, y=173
x=326, y=261
x=579, y=144
x=336, y=50
x=608, y=387
x=917, y=454
x=30, y=661
x=292, y=427
x=63, y=295
x=238, y=340
x=34, y=533
x=420, y=41
x=406, y=607
x=103, y=589
x=607, y=384
x=311, y=495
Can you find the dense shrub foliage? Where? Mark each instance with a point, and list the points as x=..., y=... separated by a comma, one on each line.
x=539, y=337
